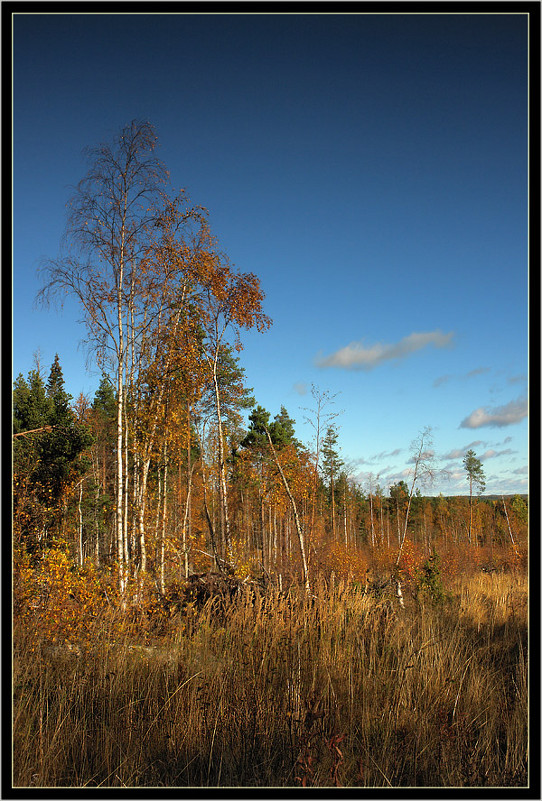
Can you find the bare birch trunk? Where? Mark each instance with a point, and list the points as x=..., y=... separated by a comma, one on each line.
x=206, y=509
x=186, y=523
x=126, y=489
x=296, y=516
x=162, y=564
x=80, y=517
x=509, y=526
x=372, y=521
x=141, y=515
x=222, y=465
x=120, y=450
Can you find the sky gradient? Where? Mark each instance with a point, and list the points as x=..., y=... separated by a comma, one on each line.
x=371, y=170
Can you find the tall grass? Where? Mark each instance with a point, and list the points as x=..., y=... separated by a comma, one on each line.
x=286, y=690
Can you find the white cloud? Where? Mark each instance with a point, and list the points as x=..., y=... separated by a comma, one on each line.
x=356, y=356
x=498, y=417
x=300, y=387
x=491, y=454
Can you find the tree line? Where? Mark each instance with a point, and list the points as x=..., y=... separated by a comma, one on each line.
x=158, y=473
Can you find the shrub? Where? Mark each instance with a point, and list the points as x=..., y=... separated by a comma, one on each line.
x=429, y=585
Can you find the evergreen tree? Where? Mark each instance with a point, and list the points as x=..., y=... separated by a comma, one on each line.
x=475, y=476
x=55, y=383
x=31, y=404
x=234, y=395
x=104, y=399
x=331, y=462
x=282, y=431
x=46, y=459
x=256, y=438
x=61, y=446
x=331, y=465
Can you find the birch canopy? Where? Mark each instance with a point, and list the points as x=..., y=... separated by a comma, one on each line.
x=158, y=299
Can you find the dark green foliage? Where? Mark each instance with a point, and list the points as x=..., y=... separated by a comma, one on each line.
x=429, y=585
x=234, y=395
x=331, y=461
x=105, y=402
x=281, y=431
x=31, y=403
x=256, y=438
x=520, y=509
x=48, y=460
x=474, y=470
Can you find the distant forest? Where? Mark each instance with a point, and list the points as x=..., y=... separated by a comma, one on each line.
x=65, y=480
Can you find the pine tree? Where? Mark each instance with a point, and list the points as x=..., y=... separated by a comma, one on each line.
x=475, y=476
x=282, y=430
x=256, y=438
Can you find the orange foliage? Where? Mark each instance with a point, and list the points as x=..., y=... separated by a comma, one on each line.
x=346, y=563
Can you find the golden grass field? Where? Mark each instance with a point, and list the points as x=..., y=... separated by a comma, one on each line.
x=284, y=690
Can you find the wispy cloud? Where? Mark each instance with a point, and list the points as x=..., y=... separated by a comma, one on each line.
x=491, y=454
x=459, y=453
x=376, y=458
x=386, y=454
x=356, y=356
x=477, y=371
x=498, y=417
x=423, y=456
x=300, y=387
x=443, y=379
x=517, y=379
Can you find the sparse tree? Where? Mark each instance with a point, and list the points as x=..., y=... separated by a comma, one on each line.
x=476, y=478
x=298, y=526
x=422, y=472
x=319, y=419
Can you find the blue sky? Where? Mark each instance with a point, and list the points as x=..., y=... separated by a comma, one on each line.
x=370, y=169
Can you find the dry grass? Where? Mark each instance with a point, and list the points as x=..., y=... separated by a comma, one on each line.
x=286, y=690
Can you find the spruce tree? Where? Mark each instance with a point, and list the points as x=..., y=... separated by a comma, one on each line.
x=331, y=464
x=45, y=460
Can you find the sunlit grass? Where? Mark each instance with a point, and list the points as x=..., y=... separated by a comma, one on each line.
x=284, y=690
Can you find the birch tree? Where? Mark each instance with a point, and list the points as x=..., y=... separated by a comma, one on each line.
x=421, y=472
x=109, y=217
x=231, y=302
x=319, y=420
